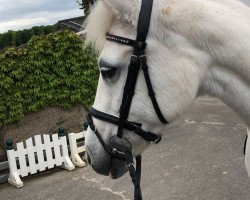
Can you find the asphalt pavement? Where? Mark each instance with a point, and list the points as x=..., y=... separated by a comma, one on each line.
x=200, y=158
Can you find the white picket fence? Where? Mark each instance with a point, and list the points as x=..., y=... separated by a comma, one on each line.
x=74, y=150
x=56, y=153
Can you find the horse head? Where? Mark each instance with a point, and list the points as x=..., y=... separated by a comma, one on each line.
x=192, y=48
x=175, y=81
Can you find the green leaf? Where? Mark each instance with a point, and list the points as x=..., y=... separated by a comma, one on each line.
x=53, y=70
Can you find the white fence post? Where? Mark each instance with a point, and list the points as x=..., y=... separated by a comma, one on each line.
x=37, y=157
x=67, y=164
x=74, y=150
x=14, y=178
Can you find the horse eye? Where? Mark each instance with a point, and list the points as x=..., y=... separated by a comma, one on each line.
x=108, y=72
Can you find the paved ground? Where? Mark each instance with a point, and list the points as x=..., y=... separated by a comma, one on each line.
x=199, y=158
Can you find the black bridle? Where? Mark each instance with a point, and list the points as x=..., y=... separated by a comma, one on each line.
x=119, y=146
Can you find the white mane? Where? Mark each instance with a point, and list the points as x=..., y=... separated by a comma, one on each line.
x=101, y=17
x=97, y=25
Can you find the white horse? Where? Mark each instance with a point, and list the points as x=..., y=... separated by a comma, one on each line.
x=194, y=47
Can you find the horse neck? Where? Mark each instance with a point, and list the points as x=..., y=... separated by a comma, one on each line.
x=228, y=75
x=232, y=86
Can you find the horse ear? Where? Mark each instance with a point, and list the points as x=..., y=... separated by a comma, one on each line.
x=129, y=9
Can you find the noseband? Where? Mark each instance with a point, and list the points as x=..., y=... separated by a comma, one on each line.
x=119, y=146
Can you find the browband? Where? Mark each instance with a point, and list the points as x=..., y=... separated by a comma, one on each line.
x=126, y=41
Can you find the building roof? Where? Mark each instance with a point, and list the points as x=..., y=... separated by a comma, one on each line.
x=74, y=24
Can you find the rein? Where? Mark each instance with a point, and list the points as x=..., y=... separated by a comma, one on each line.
x=118, y=146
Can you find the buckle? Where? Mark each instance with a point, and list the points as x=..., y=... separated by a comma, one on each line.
x=85, y=126
x=158, y=139
x=143, y=62
x=92, y=127
x=134, y=62
x=131, y=166
x=133, y=58
x=141, y=45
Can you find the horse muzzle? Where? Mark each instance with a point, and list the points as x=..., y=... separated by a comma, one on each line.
x=108, y=157
x=108, y=166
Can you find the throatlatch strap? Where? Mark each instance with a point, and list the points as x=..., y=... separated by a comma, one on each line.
x=151, y=93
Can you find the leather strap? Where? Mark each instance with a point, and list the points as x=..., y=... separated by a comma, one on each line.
x=151, y=93
x=245, y=145
x=133, y=70
x=112, y=119
x=135, y=174
x=126, y=41
x=138, y=60
x=128, y=125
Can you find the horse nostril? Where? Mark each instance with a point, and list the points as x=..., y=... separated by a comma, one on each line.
x=88, y=158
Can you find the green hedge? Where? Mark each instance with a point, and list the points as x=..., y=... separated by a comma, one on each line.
x=54, y=70
x=17, y=38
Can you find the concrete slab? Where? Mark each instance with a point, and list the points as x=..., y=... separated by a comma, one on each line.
x=199, y=158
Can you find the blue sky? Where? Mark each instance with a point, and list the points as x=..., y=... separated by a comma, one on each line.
x=20, y=14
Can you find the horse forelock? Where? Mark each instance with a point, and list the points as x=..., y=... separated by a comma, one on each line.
x=97, y=25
